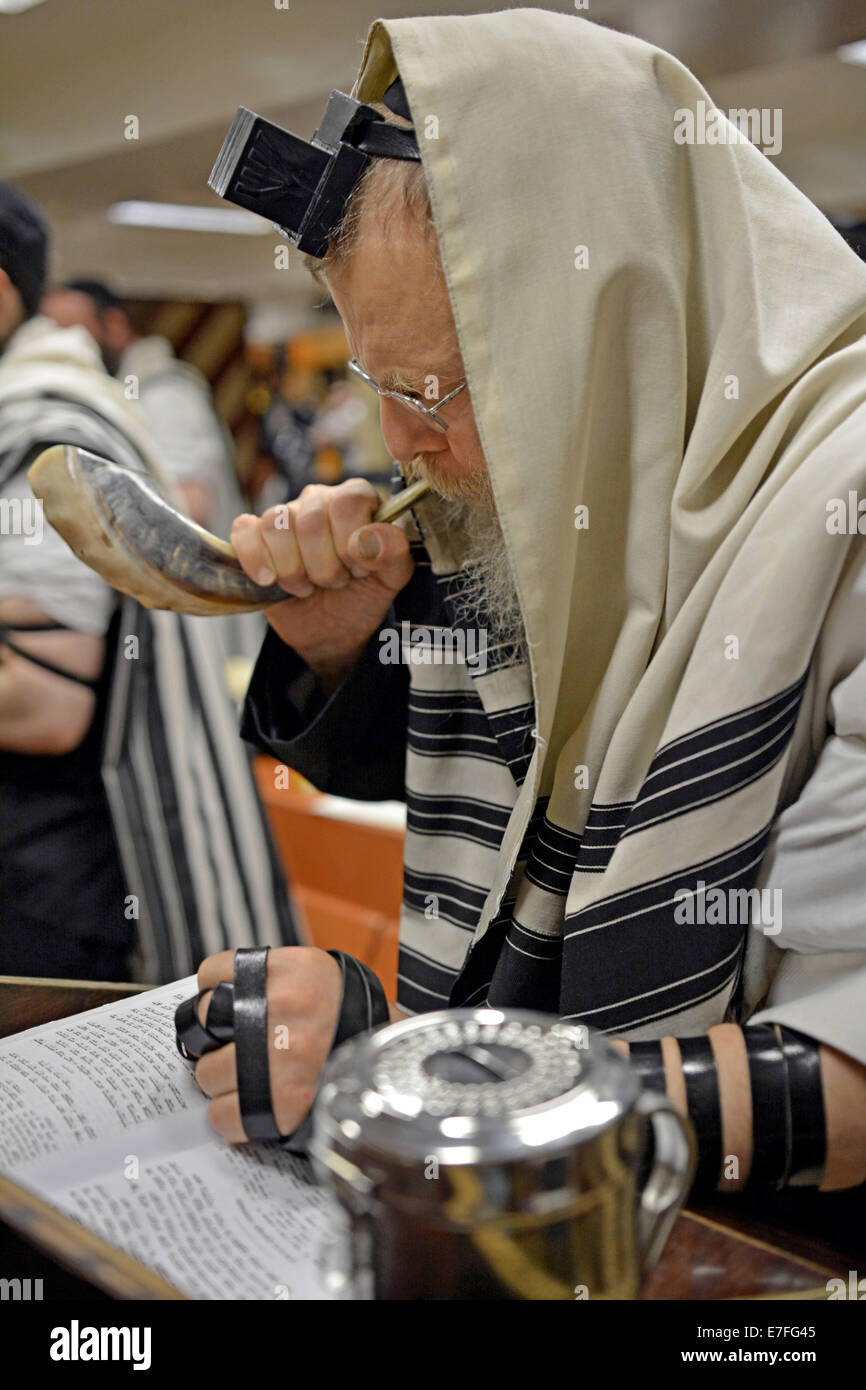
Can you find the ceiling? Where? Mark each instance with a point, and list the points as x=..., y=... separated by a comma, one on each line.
x=71, y=71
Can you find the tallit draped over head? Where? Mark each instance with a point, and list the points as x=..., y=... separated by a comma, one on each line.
x=695, y=379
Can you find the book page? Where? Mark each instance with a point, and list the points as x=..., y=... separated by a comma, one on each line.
x=219, y=1222
x=101, y=1116
x=74, y=1083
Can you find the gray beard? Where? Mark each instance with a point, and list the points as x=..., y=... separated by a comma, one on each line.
x=484, y=591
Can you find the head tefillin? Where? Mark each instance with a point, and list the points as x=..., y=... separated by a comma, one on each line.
x=303, y=186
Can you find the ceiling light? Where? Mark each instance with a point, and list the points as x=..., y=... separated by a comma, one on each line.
x=16, y=6
x=182, y=217
x=853, y=53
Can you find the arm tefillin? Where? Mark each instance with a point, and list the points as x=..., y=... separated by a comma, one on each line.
x=788, y=1125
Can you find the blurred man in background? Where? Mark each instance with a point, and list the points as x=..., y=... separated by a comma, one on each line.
x=194, y=447
x=127, y=805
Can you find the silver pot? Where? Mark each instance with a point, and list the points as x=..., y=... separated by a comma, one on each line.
x=495, y=1153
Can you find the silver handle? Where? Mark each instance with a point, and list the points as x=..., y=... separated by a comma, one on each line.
x=670, y=1177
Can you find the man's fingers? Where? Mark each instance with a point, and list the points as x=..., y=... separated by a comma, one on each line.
x=312, y=528
x=224, y=1114
x=323, y=539
x=352, y=505
x=215, y=968
x=383, y=550
x=249, y=544
x=217, y=1072
x=279, y=534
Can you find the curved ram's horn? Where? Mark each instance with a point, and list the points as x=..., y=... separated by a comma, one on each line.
x=121, y=525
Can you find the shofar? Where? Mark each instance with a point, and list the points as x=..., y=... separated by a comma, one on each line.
x=120, y=524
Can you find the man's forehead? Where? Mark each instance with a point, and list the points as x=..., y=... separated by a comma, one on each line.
x=399, y=324
x=404, y=356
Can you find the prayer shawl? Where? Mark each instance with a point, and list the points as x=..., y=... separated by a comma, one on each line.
x=664, y=348
x=190, y=830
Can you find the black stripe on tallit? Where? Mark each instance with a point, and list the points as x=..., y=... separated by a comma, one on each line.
x=141, y=820
x=559, y=853
x=552, y=859
x=459, y=817
x=445, y=704
x=528, y=971
x=457, y=902
x=449, y=718
x=645, y=896
x=423, y=984
x=730, y=726
x=513, y=727
x=669, y=1002
x=630, y=944
x=172, y=816
x=719, y=760
x=453, y=745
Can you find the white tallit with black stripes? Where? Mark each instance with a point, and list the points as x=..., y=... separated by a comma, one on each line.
x=191, y=835
x=664, y=348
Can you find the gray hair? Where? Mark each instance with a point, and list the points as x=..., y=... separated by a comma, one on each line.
x=388, y=185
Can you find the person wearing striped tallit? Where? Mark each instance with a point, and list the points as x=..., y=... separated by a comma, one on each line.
x=616, y=661
x=132, y=840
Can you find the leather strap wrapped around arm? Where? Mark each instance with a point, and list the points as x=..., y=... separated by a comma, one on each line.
x=788, y=1122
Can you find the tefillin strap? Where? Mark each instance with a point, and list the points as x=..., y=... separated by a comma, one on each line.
x=238, y=1013
x=788, y=1122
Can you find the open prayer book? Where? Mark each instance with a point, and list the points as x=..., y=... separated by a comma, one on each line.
x=101, y=1117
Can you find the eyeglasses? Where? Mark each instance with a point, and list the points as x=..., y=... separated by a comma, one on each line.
x=430, y=413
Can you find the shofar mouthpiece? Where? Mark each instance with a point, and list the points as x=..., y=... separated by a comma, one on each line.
x=120, y=524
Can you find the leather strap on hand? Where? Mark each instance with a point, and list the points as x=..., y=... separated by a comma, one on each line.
x=194, y=1038
x=238, y=1013
x=251, y=1043
x=362, y=1006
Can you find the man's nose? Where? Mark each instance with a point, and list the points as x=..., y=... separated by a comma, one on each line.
x=407, y=434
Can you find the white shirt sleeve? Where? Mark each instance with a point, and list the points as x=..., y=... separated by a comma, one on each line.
x=817, y=851
x=37, y=564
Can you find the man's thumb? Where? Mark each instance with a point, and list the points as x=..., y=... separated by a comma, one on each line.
x=383, y=550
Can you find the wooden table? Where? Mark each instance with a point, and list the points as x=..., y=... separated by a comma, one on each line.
x=784, y=1246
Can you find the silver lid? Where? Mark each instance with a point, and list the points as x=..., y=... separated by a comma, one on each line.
x=472, y=1085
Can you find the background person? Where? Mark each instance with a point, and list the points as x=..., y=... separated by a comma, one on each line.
x=128, y=813
x=193, y=444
